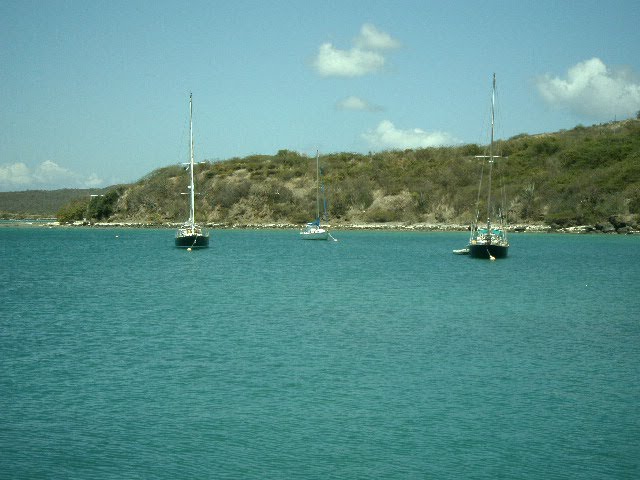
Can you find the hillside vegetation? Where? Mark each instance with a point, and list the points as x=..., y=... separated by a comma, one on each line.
x=41, y=203
x=580, y=176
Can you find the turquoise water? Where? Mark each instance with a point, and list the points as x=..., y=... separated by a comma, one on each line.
x=382, y=355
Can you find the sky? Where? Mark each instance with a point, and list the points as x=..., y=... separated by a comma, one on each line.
x=96, y=93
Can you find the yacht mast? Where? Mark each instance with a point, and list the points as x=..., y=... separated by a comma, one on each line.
x=318, y=186
x=493, y=99
x=192, y=215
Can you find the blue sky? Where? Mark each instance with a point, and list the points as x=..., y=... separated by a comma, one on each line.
x=94, y=93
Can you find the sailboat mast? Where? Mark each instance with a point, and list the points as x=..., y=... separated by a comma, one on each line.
x=493, y=99
x=191, y=187
x=318, y=186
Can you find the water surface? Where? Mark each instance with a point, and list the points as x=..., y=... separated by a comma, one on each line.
x=382, y=355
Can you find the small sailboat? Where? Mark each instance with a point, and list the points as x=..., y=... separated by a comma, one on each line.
x=190, y=234
x=313, y=230
x=490, y=240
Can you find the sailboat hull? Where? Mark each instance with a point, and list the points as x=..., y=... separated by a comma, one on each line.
x=314, y=232
x=488, y=251
x=314, y=235
x=192, y=241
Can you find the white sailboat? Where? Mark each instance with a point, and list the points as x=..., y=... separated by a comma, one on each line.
x=190, y=234
x=313, y=230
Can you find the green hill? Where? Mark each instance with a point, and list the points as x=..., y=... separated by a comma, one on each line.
x=41, y=203
x=575, y=177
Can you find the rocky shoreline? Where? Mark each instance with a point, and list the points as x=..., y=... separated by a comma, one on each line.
x=613, y=226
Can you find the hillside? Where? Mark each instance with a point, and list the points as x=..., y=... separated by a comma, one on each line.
x=580, y=176
x=41, y=203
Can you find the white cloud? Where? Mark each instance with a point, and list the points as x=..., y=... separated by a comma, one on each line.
x=371, y=38
x=357, y=103
x=342, y=63
x=365, y=57
x=15, y=175
x=93, y=181
x=49, y=172
x=47, y=175
x=386, y=135
x=593, y=89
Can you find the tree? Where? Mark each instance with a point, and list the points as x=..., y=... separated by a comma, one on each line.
x=73, y=211
x=101, y=207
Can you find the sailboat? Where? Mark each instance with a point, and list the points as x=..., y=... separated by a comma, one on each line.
x=313, y=230
x=190, y=234
x=490, y=240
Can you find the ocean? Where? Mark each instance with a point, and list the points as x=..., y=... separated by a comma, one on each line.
x=381, y=355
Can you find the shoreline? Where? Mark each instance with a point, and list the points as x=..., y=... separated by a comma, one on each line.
x=417, y=227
